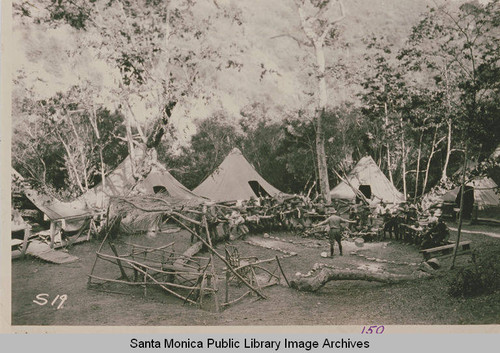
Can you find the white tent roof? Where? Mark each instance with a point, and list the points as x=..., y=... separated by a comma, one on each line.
x=484, y=193
x=367, y=172
x=173, y=188
x=53, y=208
x=121, y=181
x=230, y=181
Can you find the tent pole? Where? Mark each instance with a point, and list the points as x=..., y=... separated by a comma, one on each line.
x=214, y=274
x=461, y=216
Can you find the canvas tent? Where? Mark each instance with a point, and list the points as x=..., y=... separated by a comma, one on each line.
x=482, y=190
x=68, y=216
x=159, y=180
x=235, y=179
x=117, y=183
x=367, y=177
x=121, y=182
x=52, y=208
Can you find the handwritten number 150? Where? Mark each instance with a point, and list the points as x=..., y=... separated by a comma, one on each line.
x=373, y=329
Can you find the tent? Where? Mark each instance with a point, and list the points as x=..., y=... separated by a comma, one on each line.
x=483, y=192
x=71, y=216
x=52, y=208
x=161, y=181
x=235, y=179
x=367, y=177
x=121, y=182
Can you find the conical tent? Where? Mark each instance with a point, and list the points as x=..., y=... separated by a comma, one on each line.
x=117, y=183
x=121, y=182
x=235, y=179
x=366, y=172
x=159, y=180
x=484, y=193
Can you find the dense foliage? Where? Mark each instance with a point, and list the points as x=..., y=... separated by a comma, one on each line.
x=413, y=102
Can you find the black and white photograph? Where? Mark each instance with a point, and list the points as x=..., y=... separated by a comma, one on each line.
x=252, y=163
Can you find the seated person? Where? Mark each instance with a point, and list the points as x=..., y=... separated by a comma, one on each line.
x=437, y=235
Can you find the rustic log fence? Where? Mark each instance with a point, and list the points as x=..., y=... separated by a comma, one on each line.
x=186, y=276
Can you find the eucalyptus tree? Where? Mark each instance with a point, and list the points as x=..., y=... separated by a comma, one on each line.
x=157, y=55
x=385, y=93
x=319, y=28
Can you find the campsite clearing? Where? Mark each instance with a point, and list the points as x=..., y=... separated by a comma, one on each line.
x=338, y=302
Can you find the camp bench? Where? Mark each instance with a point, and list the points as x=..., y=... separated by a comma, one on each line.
x=447, y=250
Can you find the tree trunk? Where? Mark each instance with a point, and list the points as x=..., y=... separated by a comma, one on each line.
x=71, y=161
x=428, y=166
x=103, y=172
x=314, y=283
x=321, y=158
x=448, y=153
x=317, y=39
x=419, y=155
x=403, y=157
x=320, y=135
x=389, y=164
x=461, y=216
x=137, y=125
x=83, y=161
x=93, y=122
x=444, y=176
x=130, y=142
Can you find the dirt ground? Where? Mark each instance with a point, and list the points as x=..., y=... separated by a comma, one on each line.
x=417, y=302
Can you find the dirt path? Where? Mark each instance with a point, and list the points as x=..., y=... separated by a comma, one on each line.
x=490, y=234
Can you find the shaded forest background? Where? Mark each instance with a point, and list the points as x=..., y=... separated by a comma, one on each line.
x=411, y=83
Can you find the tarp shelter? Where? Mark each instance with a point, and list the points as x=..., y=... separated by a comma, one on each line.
x=483, y=190
x=367, y=177
x=51, y=207
x=70, y=216
x=121, y=182
x=235, y=179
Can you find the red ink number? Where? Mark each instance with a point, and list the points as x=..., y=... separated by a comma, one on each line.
x=373, y=329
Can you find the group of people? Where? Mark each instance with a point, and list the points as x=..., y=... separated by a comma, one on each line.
x=257, y=215
x=405, y=222
x=413, y=225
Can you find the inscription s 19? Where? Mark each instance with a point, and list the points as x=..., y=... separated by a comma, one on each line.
x=43, y=298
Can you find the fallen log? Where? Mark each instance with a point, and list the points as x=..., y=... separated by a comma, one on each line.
x=186, y=255
x=314, y=283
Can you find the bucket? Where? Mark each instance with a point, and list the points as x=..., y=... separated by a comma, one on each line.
x=359, y=242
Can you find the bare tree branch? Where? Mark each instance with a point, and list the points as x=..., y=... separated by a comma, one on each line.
x=299, y=42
